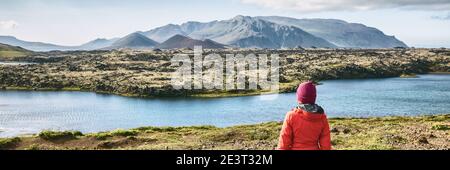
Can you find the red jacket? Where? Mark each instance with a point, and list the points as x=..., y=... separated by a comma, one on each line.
x=305, y=131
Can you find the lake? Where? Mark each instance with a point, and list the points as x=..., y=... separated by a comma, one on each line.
x=26, y=112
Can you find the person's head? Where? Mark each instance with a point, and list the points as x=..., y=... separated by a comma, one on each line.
x=306, y=93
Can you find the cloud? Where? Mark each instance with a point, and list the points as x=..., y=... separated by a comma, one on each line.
x=6, y=25
x=350, y=5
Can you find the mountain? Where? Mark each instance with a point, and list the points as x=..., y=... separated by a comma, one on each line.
x=280, y=32
x=161, y=34
x=134, y=41
x=341, y=33
x=180, y=41
x=13, y=51
x=35, y=46
x=97, y=44
x=243, y=31
x=39, y=46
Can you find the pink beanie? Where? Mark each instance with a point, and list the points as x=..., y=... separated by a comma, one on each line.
x=306, y=93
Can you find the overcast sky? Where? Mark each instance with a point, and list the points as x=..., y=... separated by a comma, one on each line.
x=418, y=23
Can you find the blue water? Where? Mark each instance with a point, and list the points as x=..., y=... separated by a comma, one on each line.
x=25, y=112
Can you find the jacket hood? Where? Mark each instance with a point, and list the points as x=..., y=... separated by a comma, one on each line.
x=311, y=112
x=311, y=108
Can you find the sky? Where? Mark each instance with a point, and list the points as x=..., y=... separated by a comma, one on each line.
x=418, y=23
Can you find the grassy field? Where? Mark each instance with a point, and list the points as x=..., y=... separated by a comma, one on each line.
x=8, y=51
x=12, y=54
x=386, y=133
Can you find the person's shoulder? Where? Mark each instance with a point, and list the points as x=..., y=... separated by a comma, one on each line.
x=290, y=113
x=294, y=112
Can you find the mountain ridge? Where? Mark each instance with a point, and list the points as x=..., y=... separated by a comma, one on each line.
x=340, y=32
x=35, y=46
x=244, y=32
x=273, y=32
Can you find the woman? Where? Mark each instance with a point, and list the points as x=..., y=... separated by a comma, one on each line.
x=305, y=127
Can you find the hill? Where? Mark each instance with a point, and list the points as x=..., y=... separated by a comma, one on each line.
x=133, y=41
x=180, y=41
x=35, y=46
x=13, y=51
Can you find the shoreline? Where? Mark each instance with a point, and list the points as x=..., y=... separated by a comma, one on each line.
x=437, y=72
x=206, y=95
x=148, y=74
x=385, y=133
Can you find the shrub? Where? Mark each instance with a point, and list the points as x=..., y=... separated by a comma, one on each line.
x=222, y=136
x=206, y=127
x=33, y=147
x=54, y=135
x=8, y=142
x=121, y=132
x=158, y=129
x=441, y=127
x=261, y=134
x=101, y=136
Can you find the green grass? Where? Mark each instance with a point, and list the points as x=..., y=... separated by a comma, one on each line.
x=118, y=132
x=261, y=134
x=33, y=147
x=171, y=129
x=383, y=133
x=101, y=135
x=156, y=129
x=441, y=127
x=54, y=135
x=13, y=51
x=12, y=54
x=8, y=142
x=121, y=132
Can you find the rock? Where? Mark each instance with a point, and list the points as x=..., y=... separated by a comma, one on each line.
x=423, y=140
x=131, y=138
x=105, y=144
x=393, y=139
x=334, y=130
x=346, y=131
